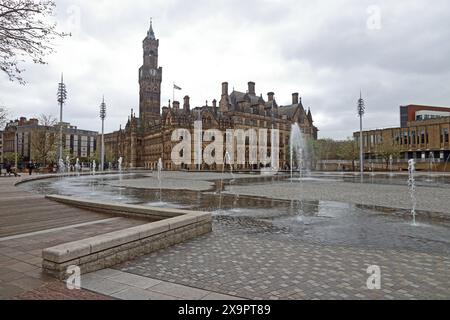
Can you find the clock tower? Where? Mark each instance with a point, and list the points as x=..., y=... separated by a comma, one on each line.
x=150, y=78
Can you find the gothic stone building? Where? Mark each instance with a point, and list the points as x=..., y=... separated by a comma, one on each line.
x=148, y=138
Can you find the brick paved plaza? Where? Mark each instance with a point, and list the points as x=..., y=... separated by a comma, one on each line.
x=251, y=260
x=260, y=248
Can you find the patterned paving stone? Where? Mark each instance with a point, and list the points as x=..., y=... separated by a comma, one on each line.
x=104, y=286
x=258, y=264
x=30, y=223
x=178, y=291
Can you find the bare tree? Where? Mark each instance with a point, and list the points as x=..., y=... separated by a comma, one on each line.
x=47, y=120
x=44, y=140
x=25, y=32
x=3, y=117
x=387, y=151
x=348, y=150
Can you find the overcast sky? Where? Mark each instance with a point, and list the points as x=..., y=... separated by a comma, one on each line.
x=397, y=52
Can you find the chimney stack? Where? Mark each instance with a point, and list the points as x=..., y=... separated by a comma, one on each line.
x=251, y=88
x=176, y=105
x=186, y=106
x=214, y=103
x=295, y=98
x=225, y=89
x=271, y=95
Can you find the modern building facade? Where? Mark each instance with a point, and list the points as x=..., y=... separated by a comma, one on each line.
x=23, y=135
x=148, y=138
x=424, y=138
x=414, y=112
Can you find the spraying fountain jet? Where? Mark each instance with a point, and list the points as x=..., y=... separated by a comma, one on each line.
x=391, y=165
x=297, y=149
x=94, y=167
x=446, y=163
x=227, y=160
x=412, y=188
x=62, y=166
x=68, y=164
x=160, y=167
x=77, y=166
x=431, y=166
x=120, y=164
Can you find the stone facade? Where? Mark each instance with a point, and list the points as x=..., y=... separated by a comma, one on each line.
x=76, y=143
x=148, y=138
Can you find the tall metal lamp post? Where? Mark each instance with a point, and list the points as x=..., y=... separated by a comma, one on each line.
x=361, y=112
x=16, y=148
x=62, y=97
x=103, y=116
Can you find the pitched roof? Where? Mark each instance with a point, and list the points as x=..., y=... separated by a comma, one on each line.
x=237, y=97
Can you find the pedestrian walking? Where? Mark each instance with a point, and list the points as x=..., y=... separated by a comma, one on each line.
x=30, y=168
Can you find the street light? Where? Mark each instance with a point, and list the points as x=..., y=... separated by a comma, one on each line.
x=62, y=97
x=16, y=148
x=103, y=116
x=361, y=111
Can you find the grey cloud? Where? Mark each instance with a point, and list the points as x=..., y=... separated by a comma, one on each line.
x=321, y=48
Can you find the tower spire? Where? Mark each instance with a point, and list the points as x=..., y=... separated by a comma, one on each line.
x=151, y=33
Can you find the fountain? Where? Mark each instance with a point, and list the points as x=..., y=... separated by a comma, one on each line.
x=446, y=163
x=77, y=166
x=120, y=164
x=68, y=164
x=61, y=166
x=432, y=163
x=160, y=167
x=391, y=165
x=226, y=161
x=412, y=187
x=297, y=147
x=94, y=167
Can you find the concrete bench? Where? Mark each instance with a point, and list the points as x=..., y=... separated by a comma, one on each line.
x=107, y=250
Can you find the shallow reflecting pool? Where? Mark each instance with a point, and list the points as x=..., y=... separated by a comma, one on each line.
x=322, y=222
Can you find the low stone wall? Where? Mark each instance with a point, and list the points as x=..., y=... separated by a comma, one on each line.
x=125, y=210
x=47, y=176
x=104, y=251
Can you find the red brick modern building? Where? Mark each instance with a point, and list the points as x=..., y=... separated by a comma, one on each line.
x=415, y=112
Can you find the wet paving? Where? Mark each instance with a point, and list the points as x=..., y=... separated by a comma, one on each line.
x=264, y=248
x=316, y=222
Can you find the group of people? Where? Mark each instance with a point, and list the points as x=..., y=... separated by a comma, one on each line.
x=9, y=170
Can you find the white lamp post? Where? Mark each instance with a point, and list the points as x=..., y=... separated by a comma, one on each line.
x=62, y=97
x=103, y=116
x=361, y=111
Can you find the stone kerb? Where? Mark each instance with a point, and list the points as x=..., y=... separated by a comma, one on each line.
x=127, y=210
x=107, y=250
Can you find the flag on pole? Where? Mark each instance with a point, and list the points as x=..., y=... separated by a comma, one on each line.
x=176, y=87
